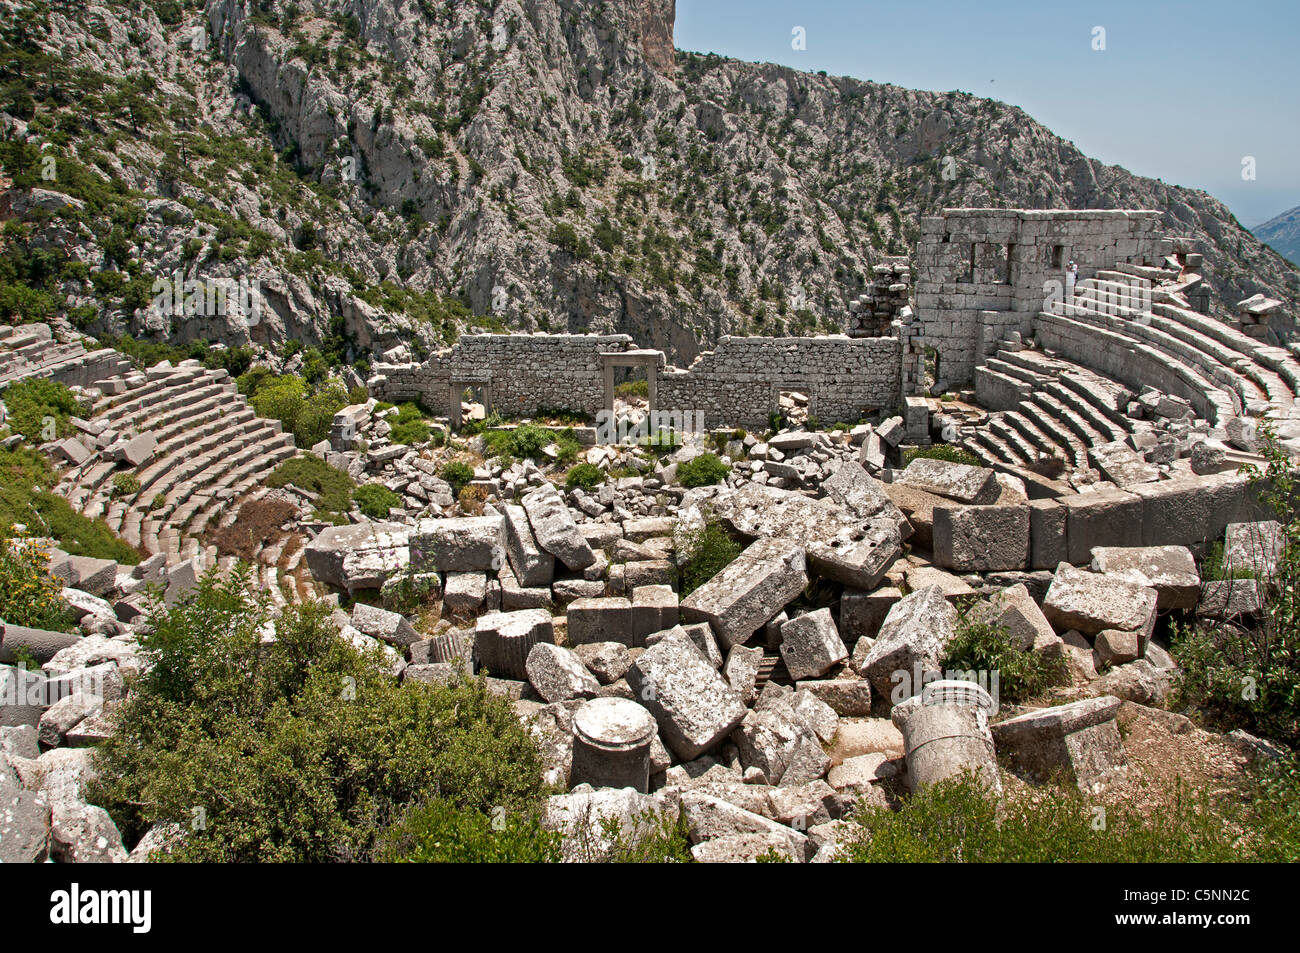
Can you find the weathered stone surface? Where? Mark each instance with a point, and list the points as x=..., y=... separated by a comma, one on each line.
x=464, y=591
x=1102, y=518
x=779, y=743
x=1115, y=647
x=579, y=816
x=1015, y=610
x=1170, y=570
x=654, y=609
x=24, y=825
x=603, y=619
x=816, y=714
x=1138, y=681
x=364, y=556
x=911, y=642
x=1253, y=547
x=83, y=834
x=839, y=545
x=847, y=697
x=747, y=849
x=862, y=613
x=956, y=481
x=608, y=661
x=612, y=741
x=1231, y=599
x=96, y=576
x=741, y=671
x=378, y=623
x=710, y=818
x=554, y=528
x=503, y=640
x=461, y=544
x=862, y=495
x=558, y=674
x=532, y=565
x=862, y=771
x=41, y=644
x=694, y=707
x=1090, y=602
x=1078, y=739
x=981, y=538
x=811, y=645
x=1048, y=542
x=748, y=592
x=943, y=741
x=1119, y=464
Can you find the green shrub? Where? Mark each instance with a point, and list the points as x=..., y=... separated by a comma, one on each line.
x=375, y=500
x=409, y=425
x=457, y=474
x=710, y=551
x=331, y=487
x=29, y=594
x=1249, y=676
x=638, y=388
x=979, y=646
x=30, y=402
x=941, y=451
x=957, y=821
x=302, y=749
x=704, y=470
x=125, y=484
x=585, y=475
x=441, y=832
x=158, y=502
x=528, y=440
x=305, y=413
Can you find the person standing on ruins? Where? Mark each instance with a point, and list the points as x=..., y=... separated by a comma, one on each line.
x=1071, y=276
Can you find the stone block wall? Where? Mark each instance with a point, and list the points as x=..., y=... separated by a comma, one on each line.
x=519, y=373
x=977, y=267
x=735, y=385
x=739, y=383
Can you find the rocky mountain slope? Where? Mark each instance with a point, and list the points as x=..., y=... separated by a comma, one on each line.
x=396, y=171
x=1282, y=234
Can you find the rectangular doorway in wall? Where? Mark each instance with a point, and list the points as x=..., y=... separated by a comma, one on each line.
x=793, y=407
x=470, y=400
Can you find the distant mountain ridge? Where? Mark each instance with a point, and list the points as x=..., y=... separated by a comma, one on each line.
x=1282, y=234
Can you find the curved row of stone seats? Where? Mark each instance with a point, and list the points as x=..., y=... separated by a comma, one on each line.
x=30, y=350
x=210, y=448
x=1120, y=349
x=1045, y=406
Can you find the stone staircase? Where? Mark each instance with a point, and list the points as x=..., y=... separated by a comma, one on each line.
x=210, y=449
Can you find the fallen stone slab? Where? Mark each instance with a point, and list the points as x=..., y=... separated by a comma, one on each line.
x=1121, y=465
x=602, y=619
x=95, y=576
x=654, y=609
x=533, y=566
x=1231, y=599
x=503, y=640
x=1109, y=517
x=1253, y=547
x=554, y=528
x=694, y=707
x=847, y=697
x=24, y=826
x=464, y=592
x=41, y=644
x=839, y=545
x=747, y=849
x=1015, y=610
x=775, y=740
x=379, y=623
x=811, y=645
x=459, y=544
x=608, y=661
x=1169, y=570
x=710, y=818
x=364, y=556
x=862, y=495
x=981, y=538
x=911, y=643
x=977, y=486
x=579, y=816
x=741, y=671
x=863, y=613
x=558, y=674
x=749, y=591
x=1089, y=602
x=1079, y=740
x=1114, y=647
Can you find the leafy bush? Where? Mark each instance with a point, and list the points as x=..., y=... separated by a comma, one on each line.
x=979, y=646
x=585, y=475
x=29, y=594
x=440, y=832
x=125, y=484
x=29, y=402
x=1249, y=677
x=302, y=749
x=957, y=821
x=375, y=500
x=704, y=470
x=711, y=550
x=457, y=474
x=331, y=487
x=941, y=451
x=409, y=425
x=305, y=413
x=526, y=440
x=637, y=388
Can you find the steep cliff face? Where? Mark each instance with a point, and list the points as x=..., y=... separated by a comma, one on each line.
x=1282, y=233
x=399, y=170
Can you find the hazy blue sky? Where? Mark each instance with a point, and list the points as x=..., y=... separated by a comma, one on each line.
x=1182, y=92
